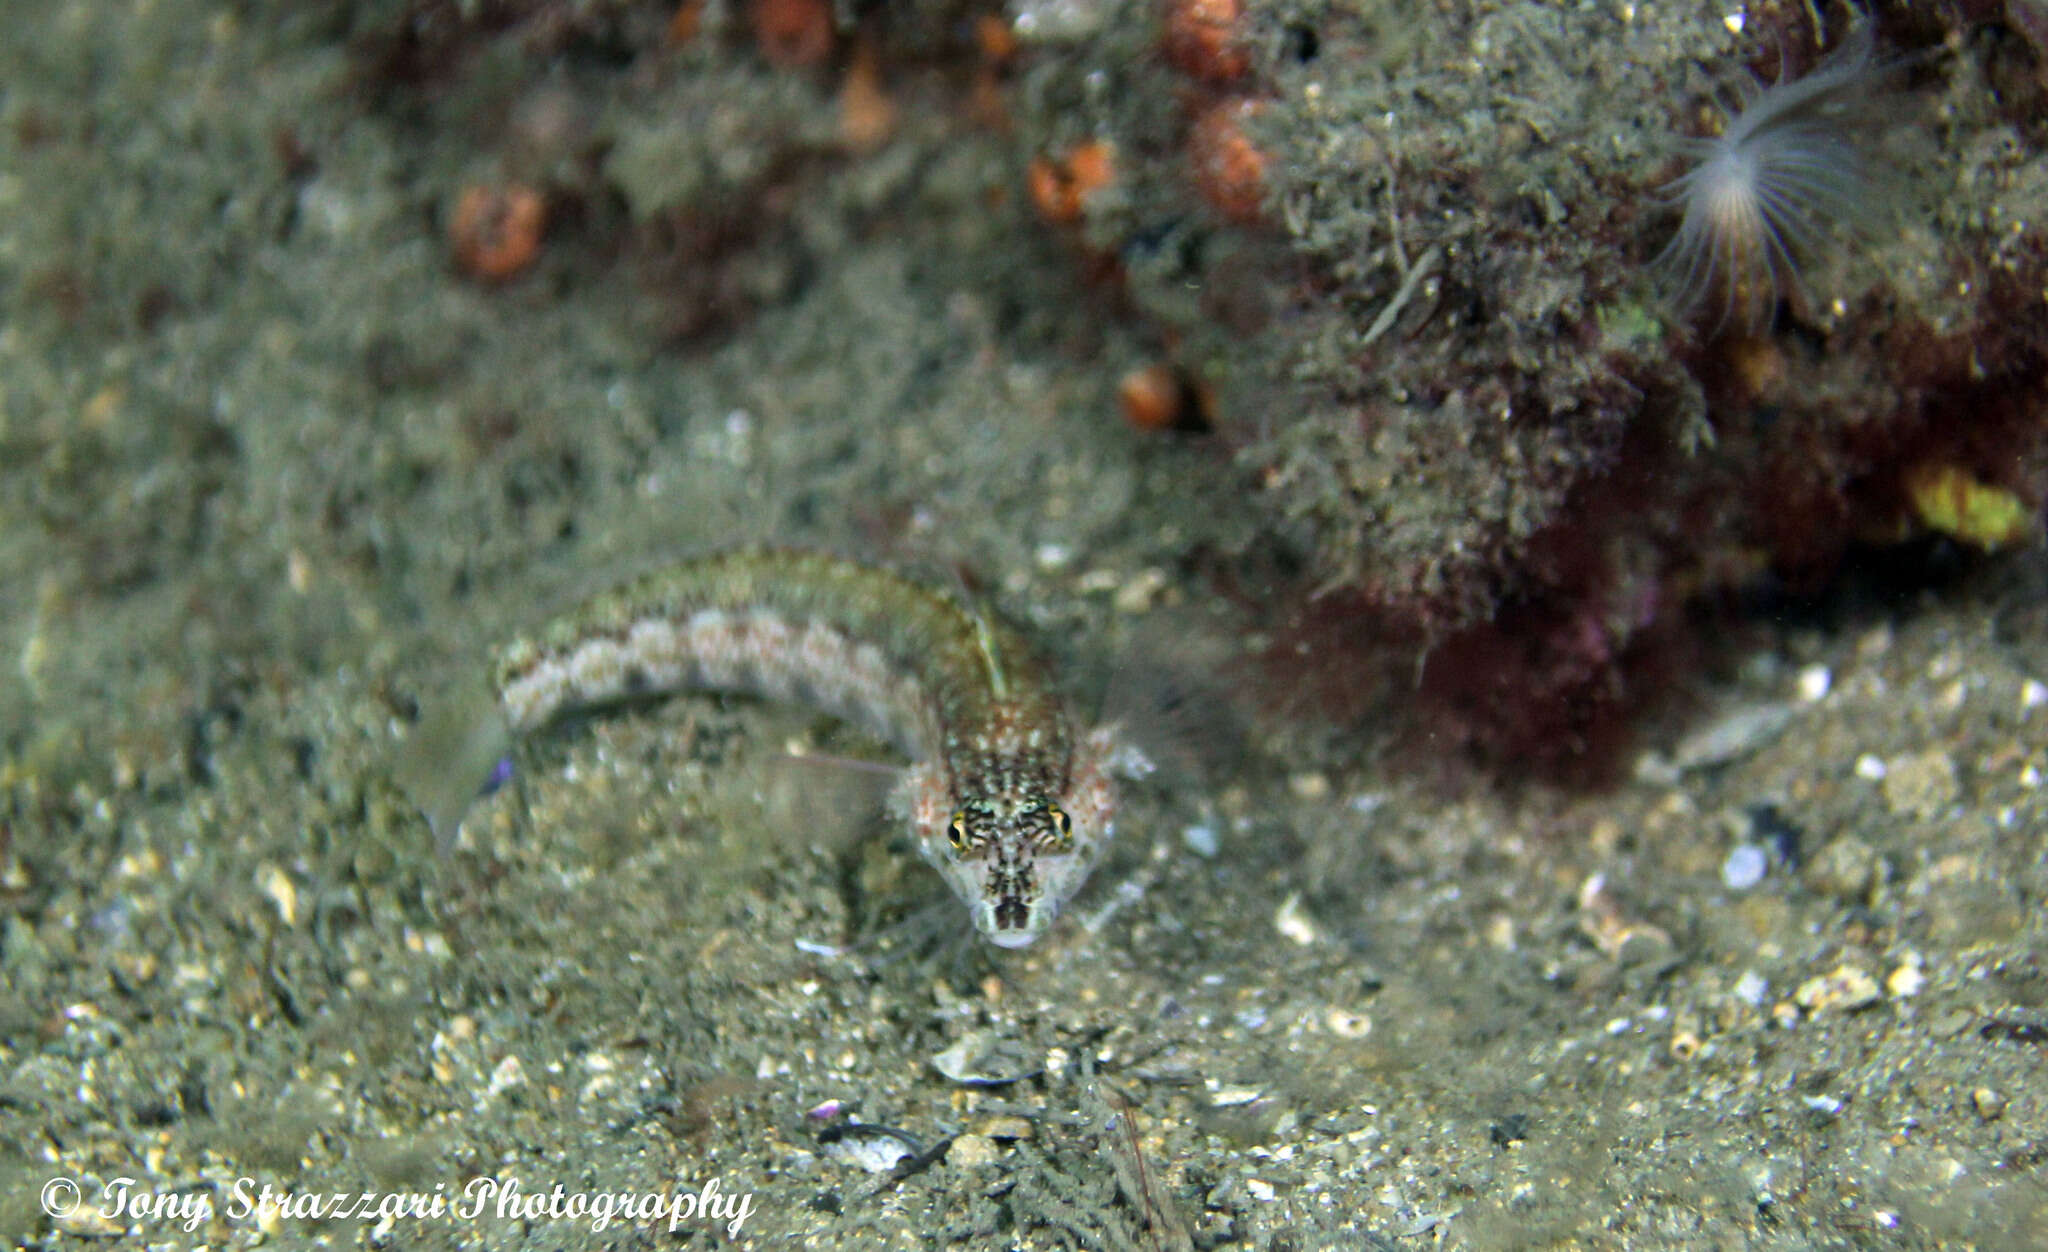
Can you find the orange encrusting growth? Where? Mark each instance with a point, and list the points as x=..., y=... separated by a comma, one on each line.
x=1229, y=169
x=999, y=46
x=1160, y=397
x=867, y=114
x=684, y=23
x=1202, y=42
x=997, y=42
x=1060, y=190
x=793, y=34
x=1150, y=397
x=496, y=230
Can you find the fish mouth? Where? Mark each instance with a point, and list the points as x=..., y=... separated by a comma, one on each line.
x=1010, y=924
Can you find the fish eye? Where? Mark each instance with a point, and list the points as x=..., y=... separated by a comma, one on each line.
x=1062, y=826
x=956, y=833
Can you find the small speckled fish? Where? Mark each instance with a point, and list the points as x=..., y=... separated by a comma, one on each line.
x=1004, y=798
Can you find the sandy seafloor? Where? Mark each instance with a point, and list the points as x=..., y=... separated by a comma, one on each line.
x=273, y=479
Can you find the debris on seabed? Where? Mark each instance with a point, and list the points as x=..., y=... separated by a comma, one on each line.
x=1731, y=735
x=1745, y=867
x=1294, y=923
x=1842, y=989
x=985, y=1059
x=875, y=1149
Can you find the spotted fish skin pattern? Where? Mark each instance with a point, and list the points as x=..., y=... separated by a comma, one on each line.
x=1004, y=796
